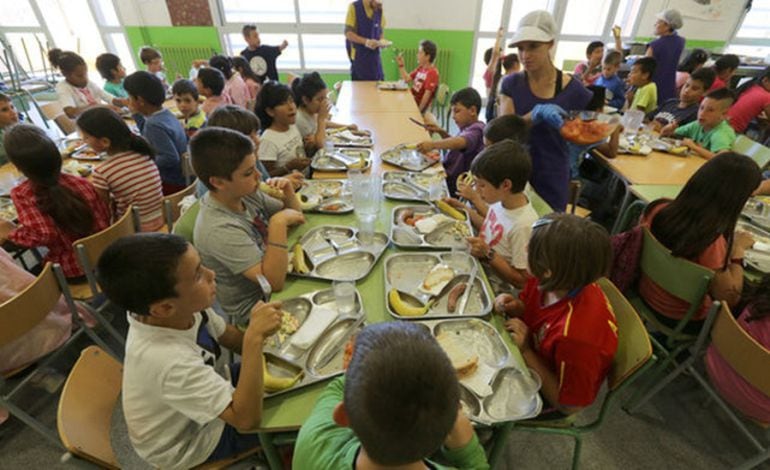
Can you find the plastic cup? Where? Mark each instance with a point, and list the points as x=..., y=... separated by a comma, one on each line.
x=366, y=224
x=345, y=296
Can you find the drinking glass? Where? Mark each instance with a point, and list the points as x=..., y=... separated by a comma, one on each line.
x=345, y=296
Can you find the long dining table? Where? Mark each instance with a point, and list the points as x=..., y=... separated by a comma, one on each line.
x=386, y=114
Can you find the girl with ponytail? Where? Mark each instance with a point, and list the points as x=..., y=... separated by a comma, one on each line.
x=54, y=208
x=129, y=175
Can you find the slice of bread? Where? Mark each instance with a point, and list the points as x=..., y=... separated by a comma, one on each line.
x=465, y=363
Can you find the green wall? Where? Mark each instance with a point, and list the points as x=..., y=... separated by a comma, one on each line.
x=459, y=42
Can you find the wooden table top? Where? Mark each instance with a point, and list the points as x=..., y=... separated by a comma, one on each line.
x=651, y=192
x=365, y=97
x=655, y=168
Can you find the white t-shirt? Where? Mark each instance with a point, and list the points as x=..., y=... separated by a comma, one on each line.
x=281, y=147
x=507, y=231
x=72, y=96
x=172, y=395
x=307, y=124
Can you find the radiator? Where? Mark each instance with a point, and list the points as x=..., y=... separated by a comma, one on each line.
x=178, y=59
x=441, y=62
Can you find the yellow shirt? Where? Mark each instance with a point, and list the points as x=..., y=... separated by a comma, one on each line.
x=350, y=21
x=646, y=97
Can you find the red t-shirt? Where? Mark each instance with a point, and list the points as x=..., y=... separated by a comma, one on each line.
x=718, y=83
x=576, y=336
x=424, y=79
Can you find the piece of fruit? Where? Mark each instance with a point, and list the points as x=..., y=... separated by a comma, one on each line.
x=679, y=150
x=276, y=384
x=449, y=210
x=300, y=266
x=358, y=165
x=465, y=179
x=270, y=191
x=404, y=309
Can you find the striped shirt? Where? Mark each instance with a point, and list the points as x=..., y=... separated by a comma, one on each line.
x=131, y=178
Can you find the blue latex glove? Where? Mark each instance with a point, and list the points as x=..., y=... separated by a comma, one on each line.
x=550, y=114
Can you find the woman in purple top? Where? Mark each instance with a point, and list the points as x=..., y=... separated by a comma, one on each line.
x=363, y=32
x=666, y=50
x=541, y=93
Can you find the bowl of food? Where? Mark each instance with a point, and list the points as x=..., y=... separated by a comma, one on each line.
x=589, y=127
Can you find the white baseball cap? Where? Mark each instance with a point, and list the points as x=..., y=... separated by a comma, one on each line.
x=672, y=17
x=536, y=26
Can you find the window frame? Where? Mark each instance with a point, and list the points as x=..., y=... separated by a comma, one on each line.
x=736, y=40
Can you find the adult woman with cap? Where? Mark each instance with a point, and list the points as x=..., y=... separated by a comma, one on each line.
x=666, y=50
x=542, y=94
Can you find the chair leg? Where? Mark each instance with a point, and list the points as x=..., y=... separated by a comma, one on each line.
x=271, y=453
x=102, y=344
x=96, y=312
x=31, y=422
x=635, y=404
x=754, y=461
x=576, y=451
x=499, y=439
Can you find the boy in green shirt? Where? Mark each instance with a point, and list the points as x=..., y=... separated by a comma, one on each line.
x=8, y=117
x=113, y=72
x=645, y=98
x=398, y=403
x=711, y=133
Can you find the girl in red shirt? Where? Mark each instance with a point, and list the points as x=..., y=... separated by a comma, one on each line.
x=562, y=323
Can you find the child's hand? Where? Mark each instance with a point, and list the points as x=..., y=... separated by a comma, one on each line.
x=433, y=128
x=466, y=191
x=741, y=242
x=454, y=203
x=282, y=184
x=616, y=31
x=296, y=179
x=324, y=110
x=298, y=164
x=509, y=305
x=425, y=147
x=288, y=217
x=478, y=247
x=461, y=433
x=668, y=129
x=264, y=320
x=352, y=127
x=689, y=143
x=6, y=227
x=519, y=333
x=399, y=61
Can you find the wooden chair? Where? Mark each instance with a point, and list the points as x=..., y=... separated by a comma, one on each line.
x=754, y=150
x=171, y=204
x=53, y=111
x=85, y=407
x=632, y=358
x=744, y=354
x=21, y=314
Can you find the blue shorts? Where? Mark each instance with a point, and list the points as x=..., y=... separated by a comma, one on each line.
x=232, y=442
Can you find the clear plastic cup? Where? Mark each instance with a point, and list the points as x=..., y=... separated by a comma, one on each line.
x=345, y=296
x=366, y=222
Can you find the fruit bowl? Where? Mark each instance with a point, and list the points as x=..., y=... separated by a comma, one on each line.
x=589, y=127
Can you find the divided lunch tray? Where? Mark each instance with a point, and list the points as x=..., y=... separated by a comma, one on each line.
x=513, y=394
x=337, y=253
x=347, y=138
x=342, y=159
x=284, y=359
x=407, y=271
x=408, y=158
x=446, y=235
x=411, y=186
x=326, y=197
x=759, y=260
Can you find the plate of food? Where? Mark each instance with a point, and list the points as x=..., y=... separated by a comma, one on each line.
x=589, y=127
x=670, y=145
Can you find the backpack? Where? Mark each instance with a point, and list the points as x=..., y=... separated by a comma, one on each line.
x=626, y=252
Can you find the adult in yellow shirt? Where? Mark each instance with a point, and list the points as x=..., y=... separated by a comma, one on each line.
x=363, y=31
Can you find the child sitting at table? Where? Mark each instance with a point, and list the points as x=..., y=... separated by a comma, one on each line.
x=644, y=93
x=424, y=78
x=153, y=60
x=610, y=80
x=113, y=73
x=711, y=133
x=501, y=172
x=186, y=98
x=235, y=88
x=8, y=117
x=282, y=149
x=129, y=175
x=589, y=70
x=76, y=92
x=562, y=323
x=210, y=83
x=464, y=147
x=310, y=94
x=397, y=405
x=752, y=99
x=161, y=128
x=240, y=231
x=725, y=68
x=181, y=408
x=678, y=112
x=252, y=80
x=54, y=208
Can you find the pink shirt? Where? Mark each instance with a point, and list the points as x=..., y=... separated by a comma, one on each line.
x=213, y=102
x=237, y=90
x=731, y=386
x=749, y=105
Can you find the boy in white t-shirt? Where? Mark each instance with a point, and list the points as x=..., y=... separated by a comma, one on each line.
x=180, y=410
x=501, y=172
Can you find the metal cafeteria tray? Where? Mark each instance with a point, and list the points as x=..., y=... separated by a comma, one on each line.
x=326, y=197
x=406, y=272
x=286, y=360
x=342, y=159
x=339, y=139
x=447, y=235
x=408, y=158
x=513, y=395
x=411, y=186
x=337, y=253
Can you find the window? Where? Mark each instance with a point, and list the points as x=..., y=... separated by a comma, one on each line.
x=519, y=9
x=259, y=11
x=325, y=51
x=626, y=15
x=105, y=12
x=122, y=49
x=585, y=17
x=289, y=58
x=18, y=13
x=72, y=25
x=29, y=49
x=491, y=19
x=755, y=23
x=322, y=11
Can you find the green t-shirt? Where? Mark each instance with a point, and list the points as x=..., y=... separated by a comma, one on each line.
x=116, y=89
x=322, y=444
x=717, y=139
x=646, y=97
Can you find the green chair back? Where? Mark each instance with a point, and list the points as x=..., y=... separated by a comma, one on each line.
x=679, y=277
x=442, y=95
x=630, y=216
x=754, y=150
x=185, y=225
